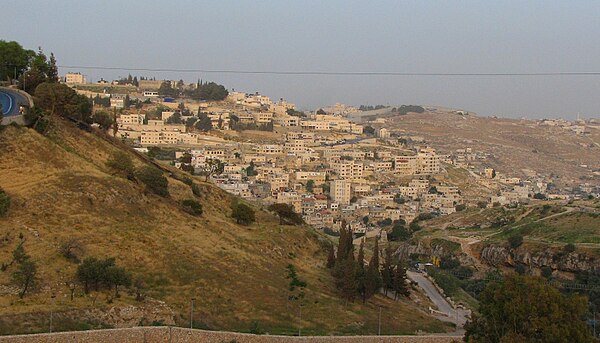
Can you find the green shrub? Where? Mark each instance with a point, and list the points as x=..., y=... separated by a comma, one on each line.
x=192, y=206
x=569, y=248
x=546, y=272
x=242, y=213
x=195, y=189
x=4, y=203
x=154, y=180
x=121, y=163
x=448, y=282
x=400, y=233
x=515, y=241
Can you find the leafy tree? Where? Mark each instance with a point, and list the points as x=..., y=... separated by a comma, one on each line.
x=90, y=273
x=405, y=109
x=243, y=214
x=192, y=206
x=310, y=186
x=103, y=119
x=186, y=158
x=121, y=163
x=190, y=122
x=175, y=119
x=539, y=196
x=57, y=98
x=515, y=241
x=209, y=91
x=369, y=130
x=71, y=249
x=400, y=233
x=14, y=60
x=398, y=199
x=385, y=222
x=460, y=207
x=211, y=166
x=25, y=276
x=204, y=123
x=321, y=111
x=292, y=112
x=4, y=202
x=37, y=73
x=251, y=169
x=527, y=309
x=286, y=214
x=165, y=90
x=154, y=180
x=117, y=276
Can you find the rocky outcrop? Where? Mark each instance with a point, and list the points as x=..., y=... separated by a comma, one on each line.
x=496, y=256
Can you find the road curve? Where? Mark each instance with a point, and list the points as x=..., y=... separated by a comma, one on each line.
x=456, y=316
x=13, y=102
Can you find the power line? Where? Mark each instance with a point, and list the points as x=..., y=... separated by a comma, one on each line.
x=330, y=73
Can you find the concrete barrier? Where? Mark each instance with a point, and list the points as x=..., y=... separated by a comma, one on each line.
x=181, y=335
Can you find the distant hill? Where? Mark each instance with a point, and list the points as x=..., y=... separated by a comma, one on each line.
x=515, y=147
x=61, y=190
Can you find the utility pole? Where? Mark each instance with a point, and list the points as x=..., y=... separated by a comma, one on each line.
x=379, y=327
x=53, y=296
x=192, y=314
x=300, y=325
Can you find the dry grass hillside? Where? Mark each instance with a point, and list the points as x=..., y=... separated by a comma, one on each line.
x=62, y=190
x=515, y=146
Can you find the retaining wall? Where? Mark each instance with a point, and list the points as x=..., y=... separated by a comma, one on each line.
x=181, y=335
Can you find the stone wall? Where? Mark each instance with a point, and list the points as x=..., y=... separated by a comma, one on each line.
x=181, y=335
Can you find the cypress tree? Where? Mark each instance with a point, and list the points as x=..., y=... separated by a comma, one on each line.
x=348, y=280
x=360, y=273
x=387, y=271
x=331, y=258
x=373, y=277
x=52, y=69
x=399, y=282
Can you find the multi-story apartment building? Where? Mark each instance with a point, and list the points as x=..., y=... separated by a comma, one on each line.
x=349, y=170
x=405, y=165
x=317, y=177
x=341, y=191
x=428, y=161
x=74, y=78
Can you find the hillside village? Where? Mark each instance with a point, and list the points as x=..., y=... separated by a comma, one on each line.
x=331, y=168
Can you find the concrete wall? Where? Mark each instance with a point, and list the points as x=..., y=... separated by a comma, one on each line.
x=181, y=335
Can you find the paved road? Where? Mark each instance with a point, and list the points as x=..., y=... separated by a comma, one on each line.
x=11, y=102
x=456, y=316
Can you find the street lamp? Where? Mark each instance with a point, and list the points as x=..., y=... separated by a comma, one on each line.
x=192, y=314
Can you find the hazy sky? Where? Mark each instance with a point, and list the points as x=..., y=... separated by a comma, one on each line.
x=383, y=36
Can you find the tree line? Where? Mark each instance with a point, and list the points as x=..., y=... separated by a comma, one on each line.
x=209, y=91
x=356, y=279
